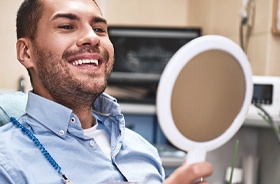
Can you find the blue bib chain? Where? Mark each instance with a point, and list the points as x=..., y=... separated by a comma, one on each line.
x=42, y=149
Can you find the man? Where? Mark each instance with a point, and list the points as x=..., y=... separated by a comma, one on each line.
x=71, y=130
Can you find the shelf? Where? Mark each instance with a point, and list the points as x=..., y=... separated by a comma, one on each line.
x=129, y=108
x=149, y=109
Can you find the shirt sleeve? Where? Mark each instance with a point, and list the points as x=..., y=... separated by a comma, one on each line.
x=5, y=177
x=10, y=173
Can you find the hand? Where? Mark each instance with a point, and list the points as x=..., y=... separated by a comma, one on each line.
x=188, y=174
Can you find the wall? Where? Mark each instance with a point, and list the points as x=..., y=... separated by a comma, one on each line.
x=146, y=12
x=221, y=158
x=10, y=69
x=269, y=149
x=223, y=18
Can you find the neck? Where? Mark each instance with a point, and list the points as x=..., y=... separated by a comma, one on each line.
x=84, y=112
x=80, y=104
x=86, y=118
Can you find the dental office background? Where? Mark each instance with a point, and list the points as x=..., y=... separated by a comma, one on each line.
x=253, y=24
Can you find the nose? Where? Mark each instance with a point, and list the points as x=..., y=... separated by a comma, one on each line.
x=88, y=37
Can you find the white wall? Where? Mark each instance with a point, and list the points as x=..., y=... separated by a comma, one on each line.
x=10, y=69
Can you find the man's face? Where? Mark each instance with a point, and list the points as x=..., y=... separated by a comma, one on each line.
x=72, y=53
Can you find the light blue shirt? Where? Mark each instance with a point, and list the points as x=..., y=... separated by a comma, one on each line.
x=59, y=130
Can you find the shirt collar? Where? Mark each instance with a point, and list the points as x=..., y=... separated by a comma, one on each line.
x=57, y=117
x=52, y=115
x=106, y=105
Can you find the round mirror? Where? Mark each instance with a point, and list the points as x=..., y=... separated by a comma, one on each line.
x=203, y=95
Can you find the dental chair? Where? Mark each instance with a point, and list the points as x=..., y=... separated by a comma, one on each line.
x=11, y=105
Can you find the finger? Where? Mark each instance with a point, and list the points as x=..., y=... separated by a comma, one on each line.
x=187, y=174
x=204, y=182
x=197, y=181
x=199, y=170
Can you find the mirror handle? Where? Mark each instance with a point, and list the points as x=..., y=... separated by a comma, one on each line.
x=195, y=155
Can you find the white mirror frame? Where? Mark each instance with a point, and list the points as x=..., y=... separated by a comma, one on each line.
x=197, y=150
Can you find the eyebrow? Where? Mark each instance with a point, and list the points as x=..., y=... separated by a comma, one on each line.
x=99, y=19
x=72, y=16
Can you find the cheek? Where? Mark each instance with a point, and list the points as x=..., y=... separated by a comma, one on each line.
x=110, y=48
x=55, y=44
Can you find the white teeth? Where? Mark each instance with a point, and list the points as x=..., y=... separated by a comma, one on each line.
x=95, y=62
x=85, y=61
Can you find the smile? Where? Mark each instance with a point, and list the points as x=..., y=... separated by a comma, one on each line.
x=85, y=61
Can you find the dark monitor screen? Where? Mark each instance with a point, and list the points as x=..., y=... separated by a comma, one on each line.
x=262, y=94
x=141, y=53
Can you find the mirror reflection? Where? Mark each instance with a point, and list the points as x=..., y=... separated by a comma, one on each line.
x=200, y=103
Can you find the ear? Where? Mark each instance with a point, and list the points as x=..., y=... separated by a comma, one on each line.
x=23, y=47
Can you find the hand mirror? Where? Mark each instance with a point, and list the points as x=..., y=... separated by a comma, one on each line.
x=203, y=95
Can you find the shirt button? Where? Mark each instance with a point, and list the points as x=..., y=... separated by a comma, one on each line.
x=61, y=132
x=73, y=120
x=91, y=143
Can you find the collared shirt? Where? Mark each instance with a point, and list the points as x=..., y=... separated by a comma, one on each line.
x=59, y=130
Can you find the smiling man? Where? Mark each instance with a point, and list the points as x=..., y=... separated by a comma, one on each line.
x=72, y=131
x=70, y=57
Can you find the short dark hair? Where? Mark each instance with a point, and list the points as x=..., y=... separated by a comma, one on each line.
x=28, y=17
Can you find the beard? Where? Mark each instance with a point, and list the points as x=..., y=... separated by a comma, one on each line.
x=64, y=87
